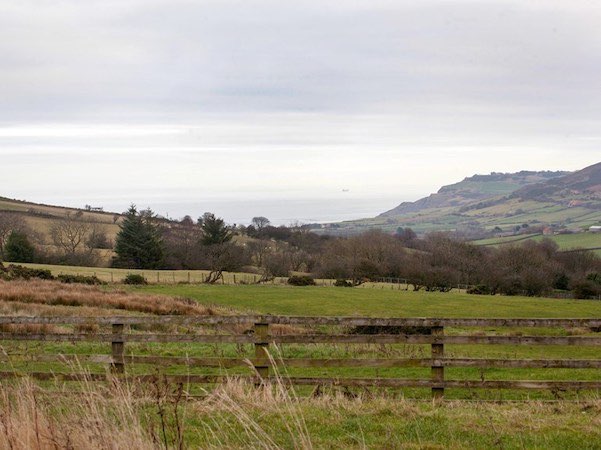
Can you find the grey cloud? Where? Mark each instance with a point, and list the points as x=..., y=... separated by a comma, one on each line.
x=171, y=57
x=229, y=97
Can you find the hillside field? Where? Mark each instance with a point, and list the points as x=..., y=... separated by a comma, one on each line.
x=564, y=241
x=496, y=200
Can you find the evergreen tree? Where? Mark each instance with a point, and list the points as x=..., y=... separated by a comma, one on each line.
x=139, y=243
x=217, y=250
x=214, y=230
x=18, y=248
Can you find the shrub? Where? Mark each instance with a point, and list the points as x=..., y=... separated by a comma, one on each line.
x=135, y=278
x=81, y=279
x=561, y=282
x=481, y=289
x=18, y=248
x=594, y=277
x=586, y=289
x=14, y=272
x=342, y=283
x=301, y=280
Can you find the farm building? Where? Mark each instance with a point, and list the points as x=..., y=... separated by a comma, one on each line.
x=595, y=229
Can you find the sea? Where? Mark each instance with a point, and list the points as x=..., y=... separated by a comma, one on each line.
x=234, y=209
x=278, y=211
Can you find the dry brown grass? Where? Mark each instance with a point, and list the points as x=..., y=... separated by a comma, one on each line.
x=54, y=294
x=98, y=419
x=36, y=309
x=237, y=414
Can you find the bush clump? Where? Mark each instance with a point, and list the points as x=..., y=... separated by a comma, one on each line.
x=586, y=289
x=480, y=289
x=301, y=280
x=134, y=278
x=342, y=283
x=80, y=279
x=17, y=272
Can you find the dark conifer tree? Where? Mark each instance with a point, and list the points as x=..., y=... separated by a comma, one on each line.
x=214, y=230
x=18, y=248
x=139, y=243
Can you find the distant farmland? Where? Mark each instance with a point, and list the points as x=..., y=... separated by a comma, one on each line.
x=590, y=241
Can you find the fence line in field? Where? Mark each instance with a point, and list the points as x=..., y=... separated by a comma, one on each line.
x=429, y=331
x=243, y=278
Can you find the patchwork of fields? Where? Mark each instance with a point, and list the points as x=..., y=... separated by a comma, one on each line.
x=574, y=241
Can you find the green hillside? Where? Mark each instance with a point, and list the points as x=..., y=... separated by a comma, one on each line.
x=39, y=220
x=484, y=203
x=590, y=241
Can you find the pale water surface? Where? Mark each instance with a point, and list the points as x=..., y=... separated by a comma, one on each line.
x=282, y=211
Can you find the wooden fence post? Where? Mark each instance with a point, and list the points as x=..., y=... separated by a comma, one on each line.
x=437, y=371
x=261, y=349
x=118, y=349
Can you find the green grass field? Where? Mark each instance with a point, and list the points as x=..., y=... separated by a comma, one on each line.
x=370, y=299
x=368, y=418
x=285, y=300
x=376, y=302
x=564, y=241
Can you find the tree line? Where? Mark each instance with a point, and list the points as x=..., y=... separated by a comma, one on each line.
x=435, y=262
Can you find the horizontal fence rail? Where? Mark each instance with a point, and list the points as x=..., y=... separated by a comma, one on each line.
x=303, y=320
x=309, y=339
x=262, y=332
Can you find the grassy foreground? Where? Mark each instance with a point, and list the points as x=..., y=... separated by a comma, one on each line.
x=237, y=415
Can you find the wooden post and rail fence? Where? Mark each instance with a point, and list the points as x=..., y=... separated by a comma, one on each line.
x=429, y=331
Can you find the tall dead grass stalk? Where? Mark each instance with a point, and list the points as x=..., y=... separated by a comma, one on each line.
x=31, y=420
x=241, y=399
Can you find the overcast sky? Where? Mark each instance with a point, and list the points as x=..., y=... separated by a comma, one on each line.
x=185, y=101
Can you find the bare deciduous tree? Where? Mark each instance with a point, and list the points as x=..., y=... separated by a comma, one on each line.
x=69, y=233
x=222, y=257
x=258, y=249
x=75, y=238
x=260, y=222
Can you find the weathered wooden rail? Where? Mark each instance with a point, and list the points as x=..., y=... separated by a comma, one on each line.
x=431, y=332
